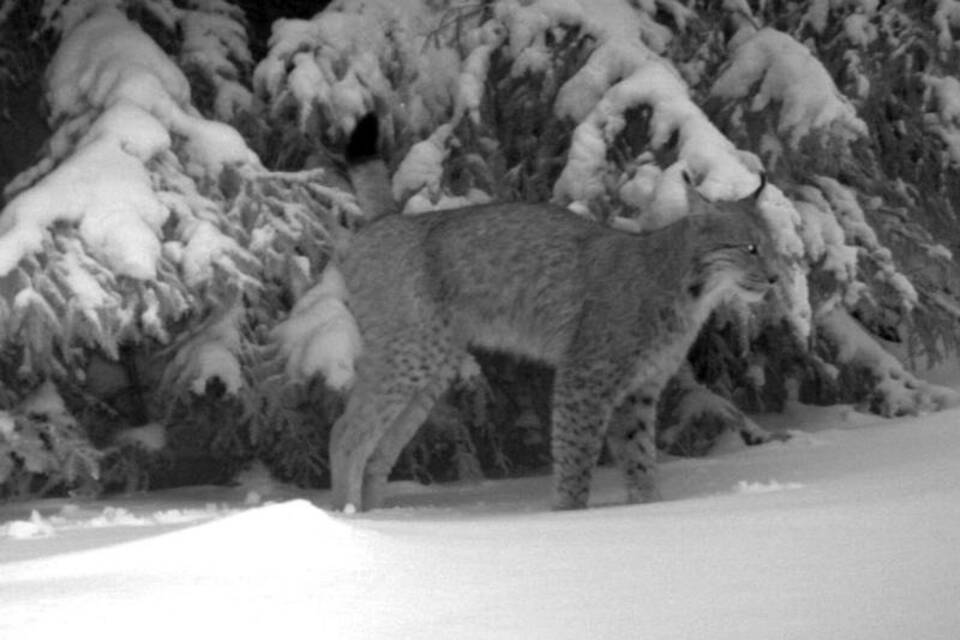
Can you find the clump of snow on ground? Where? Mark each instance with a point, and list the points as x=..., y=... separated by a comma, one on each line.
x=36, y=526
x=71, y=517
x=771, y=486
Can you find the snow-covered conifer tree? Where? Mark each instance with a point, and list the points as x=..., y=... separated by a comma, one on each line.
x=146, y=224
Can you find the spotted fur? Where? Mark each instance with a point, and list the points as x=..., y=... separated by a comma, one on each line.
x=615, y=314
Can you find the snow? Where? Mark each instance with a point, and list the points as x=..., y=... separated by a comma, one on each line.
x=72, y=517
x=765, y=487
x=470, y=88
x=109, y=76
x=720, y=168
x=35, y=527
x=107, y=191
x=149, y=437
x=823, y=238
x=212, y=353
x=214, y=37
x=422, y=167
x=320, y=335
x=423, y=201
x=211, y=145
x=308, y=85
x=216, y=360
x=848, y=530
x=900, y=390
x=205, y=246
x=946, y=16
x=859, y=30
x=335, y=60
x=360, y=39
x=788, y=73
x=943, y=93
x=858, y=231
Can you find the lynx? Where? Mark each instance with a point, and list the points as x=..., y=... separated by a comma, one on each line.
x=613, y=312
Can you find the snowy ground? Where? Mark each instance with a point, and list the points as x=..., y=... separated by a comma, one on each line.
x=849, y=530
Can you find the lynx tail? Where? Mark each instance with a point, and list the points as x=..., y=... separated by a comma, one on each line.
x=362, y=146
x=367, y=170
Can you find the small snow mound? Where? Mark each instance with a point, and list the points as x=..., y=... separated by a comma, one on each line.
x=772, y=486
x=35, y=527
x=117, y=517
x=298, y=524
x=292, y=513
x=183, y=516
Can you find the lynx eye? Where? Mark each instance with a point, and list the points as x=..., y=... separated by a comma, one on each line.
x=752, y=249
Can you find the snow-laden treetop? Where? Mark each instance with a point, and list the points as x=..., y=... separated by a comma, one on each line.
x=112, y=86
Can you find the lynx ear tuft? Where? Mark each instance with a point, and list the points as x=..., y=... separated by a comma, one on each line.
x=363, y=143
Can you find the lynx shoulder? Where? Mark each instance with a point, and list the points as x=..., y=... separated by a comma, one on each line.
x=614, y=313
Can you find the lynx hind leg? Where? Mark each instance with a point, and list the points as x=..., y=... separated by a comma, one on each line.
x=354, y=438
x=581, y=406
x=397, y=386
x=631, y=437
x=398, y=434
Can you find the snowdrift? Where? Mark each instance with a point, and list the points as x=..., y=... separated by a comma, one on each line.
x=849, y=530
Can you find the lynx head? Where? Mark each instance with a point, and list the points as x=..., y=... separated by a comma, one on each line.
x=733, y=252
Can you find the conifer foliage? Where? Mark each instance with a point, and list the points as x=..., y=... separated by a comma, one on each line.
x=164, y=263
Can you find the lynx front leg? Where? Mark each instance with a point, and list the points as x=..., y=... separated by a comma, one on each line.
x=580, y=412
x=631, y=437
